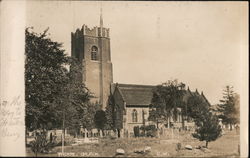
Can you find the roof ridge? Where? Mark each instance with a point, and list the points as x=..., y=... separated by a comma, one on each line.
x=134, y=85
x=118, y=88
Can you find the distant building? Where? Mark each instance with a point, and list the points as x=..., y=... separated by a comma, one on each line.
x=131, y=102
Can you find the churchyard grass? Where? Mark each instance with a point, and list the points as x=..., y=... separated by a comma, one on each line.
x=227, y=145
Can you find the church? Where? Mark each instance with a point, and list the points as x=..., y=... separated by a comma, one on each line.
x=131, y=102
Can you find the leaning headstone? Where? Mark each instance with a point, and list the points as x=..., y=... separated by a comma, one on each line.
x=147, y=149
x=120, y=151
x=178, y=146
x=139, y=151
x=222, y=132
x=189, y=147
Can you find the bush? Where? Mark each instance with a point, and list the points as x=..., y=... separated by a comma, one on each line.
x=136, y=131
x=150, y=130
x=41, y=144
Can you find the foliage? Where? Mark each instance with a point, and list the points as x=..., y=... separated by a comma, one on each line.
x=207, y=124
x=88, y=115
x=118, y=119
x=196, y=107
x=54, y=92
x=41, y=144
x=154, y=115
x=45, y=75
x=78, y=108
x=136, y=131
x=237, y=107
x=150, y=130
x=167, y=98
x=109, y=111
x=208, y=128
x=100, y=119
x=227, y=109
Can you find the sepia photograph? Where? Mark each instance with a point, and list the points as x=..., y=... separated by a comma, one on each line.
x=126, y=79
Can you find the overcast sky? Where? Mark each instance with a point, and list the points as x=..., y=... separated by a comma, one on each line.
x=198, y=43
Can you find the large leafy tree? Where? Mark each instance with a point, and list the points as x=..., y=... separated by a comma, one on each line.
x=227, y=108
x=45, y=76
x=54, y=92
x=167, y=98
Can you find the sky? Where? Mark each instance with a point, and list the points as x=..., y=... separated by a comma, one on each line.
x=199, y=43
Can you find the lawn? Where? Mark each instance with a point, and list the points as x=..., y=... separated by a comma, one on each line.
x=227, y=145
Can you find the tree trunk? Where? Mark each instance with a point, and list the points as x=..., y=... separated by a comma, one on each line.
x=118, y=133
x=50, y=137
x=168, y=122
x=102, y=131
x=206, y=144
x=76, y=134
x=63, y=136
x=25, y=137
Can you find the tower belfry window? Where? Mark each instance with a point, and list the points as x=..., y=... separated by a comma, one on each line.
x=94, y=53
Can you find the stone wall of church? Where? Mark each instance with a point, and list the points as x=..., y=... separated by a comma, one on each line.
x=129, y=124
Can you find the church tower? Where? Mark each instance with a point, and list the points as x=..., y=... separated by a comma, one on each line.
x=91, y=46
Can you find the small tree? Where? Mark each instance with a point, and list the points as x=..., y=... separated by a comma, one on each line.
x=207, y=124
x=208, y=128
x=109, y=111
x=100, y=120
x=88, y=118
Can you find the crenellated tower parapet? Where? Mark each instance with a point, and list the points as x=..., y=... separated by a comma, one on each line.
x=94, y=32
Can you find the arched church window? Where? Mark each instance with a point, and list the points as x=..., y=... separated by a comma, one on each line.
x=94, y=53
x=134, y=116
